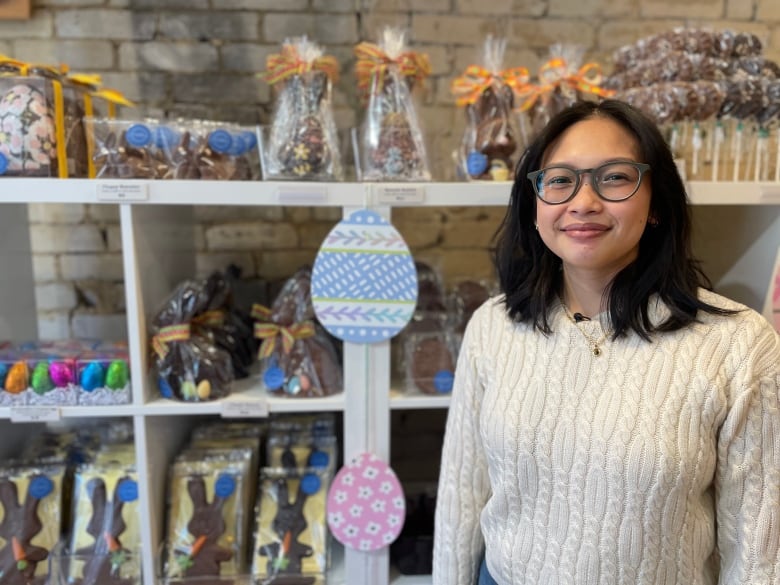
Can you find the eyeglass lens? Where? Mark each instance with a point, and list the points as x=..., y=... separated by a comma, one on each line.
x=613, y=181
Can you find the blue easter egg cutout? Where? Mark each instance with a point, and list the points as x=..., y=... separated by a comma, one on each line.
x=364, y=283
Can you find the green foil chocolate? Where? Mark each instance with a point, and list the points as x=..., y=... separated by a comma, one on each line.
x=117, y=375
x=40, y=380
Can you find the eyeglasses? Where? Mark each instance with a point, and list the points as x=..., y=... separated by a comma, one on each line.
x=613, y=181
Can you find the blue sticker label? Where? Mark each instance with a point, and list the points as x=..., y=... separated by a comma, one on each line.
x=138, y=135
x=165, y=389
x=165, y=137
x=3, y=164
x=250, y=138
x=220, y=141
x=238, y=147
x=476, y=163
x=319, y=459
x=310, y=484
x=442, y=381
x=273, y=378
x=225, y=486
x=40, y=487
x=127, y=491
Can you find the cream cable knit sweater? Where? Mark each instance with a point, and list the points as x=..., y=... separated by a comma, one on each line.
x=654, y=463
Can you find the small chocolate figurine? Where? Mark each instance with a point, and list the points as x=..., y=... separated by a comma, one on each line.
x=18, y=557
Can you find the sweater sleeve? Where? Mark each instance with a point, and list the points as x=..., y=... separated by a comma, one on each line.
x=464, y=485
x=748, y=470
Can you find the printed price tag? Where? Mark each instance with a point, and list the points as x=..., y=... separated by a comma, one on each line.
x=245, y=409
x=399, y=193
x=302, y=195
x=28, y=414
x=110, y=191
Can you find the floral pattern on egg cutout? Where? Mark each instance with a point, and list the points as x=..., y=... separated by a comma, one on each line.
x=364, y=282
x=27, y=131
x=366, y=504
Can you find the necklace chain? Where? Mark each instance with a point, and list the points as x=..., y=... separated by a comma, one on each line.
x=595, y=344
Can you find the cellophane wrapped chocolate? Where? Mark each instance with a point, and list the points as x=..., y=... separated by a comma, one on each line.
x=391, y=142
x=298, y=358
x=302, y=141
x=31, y=106
x=187, y=365
x=492, y=135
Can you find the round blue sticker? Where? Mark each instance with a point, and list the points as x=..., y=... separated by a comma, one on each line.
x=127, y=490
x=165, y=137
x=273, y=378
x=238, y=147
x=138, y=135
x=319, y=459
x=310, y=484
x=225, y=486
x=40, y=487
x=220, y=141
x=250, y=138
x=165, y=389
x=3, y=164
x=476, y=163
x=442, y=381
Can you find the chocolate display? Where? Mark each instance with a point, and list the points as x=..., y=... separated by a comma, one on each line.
x=187, y=365
x=430, y=362
x=391, y=140
x=466, y=297
x=297, y=356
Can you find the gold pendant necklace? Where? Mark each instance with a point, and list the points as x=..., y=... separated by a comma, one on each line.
x=595, y=344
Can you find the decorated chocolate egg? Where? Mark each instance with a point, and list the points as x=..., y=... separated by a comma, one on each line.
x=40, y=380
x=27, y=131
x=188, y=390
x=92, y=376
x=203, y=390
x=364, y=282
x=117, y=375
x=61, y=374
x=17, y=377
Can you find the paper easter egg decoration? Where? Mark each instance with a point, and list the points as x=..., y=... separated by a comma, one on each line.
x=364, y=283
x=28, y=140
x=366, y=504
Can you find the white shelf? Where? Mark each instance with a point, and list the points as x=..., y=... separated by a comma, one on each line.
x=400, y=400
x=398, y=579
x=103, y=411
x=343, y=194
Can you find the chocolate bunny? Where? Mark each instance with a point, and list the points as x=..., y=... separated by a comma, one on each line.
x=106, y=553
x=206, y=525
x=18, y=557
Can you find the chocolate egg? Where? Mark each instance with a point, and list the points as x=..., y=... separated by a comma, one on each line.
x=61, y=374
x=16, y=380
x=28, y=140
x=305, y=382
x=40, y=381
x=293, y=386
x=92, y=377
x=117, y=375
x=188, y=390
x=204, y=389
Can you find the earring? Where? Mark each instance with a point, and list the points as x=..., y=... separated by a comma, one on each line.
x=536, y=225
x=652, y=222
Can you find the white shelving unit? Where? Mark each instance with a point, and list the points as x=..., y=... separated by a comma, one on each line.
x=737, y=236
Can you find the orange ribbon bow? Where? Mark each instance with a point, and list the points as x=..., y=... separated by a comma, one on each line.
x=269, y=332
x=373, y=62
x=281, y=66
x=180, y=332
x=214, y=318
x=555, y=74
x=475, y=80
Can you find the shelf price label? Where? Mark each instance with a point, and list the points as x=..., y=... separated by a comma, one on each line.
x=389, y=194
x=119, y=192
x=302, y=194
x=245, y=408
x=33, y=414
x=770, y=194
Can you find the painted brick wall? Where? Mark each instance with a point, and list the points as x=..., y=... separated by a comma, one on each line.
x=198, y=58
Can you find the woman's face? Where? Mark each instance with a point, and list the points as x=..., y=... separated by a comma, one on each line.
x=589, y=234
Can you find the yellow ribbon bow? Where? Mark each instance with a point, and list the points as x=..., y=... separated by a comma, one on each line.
x=554, y=74
x=214, y=318
x=281, y=66
x=269, y=332
x=373, y=62
x=475, y=80
x=179, y=332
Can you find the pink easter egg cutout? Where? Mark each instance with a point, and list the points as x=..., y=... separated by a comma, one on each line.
x=366, y=504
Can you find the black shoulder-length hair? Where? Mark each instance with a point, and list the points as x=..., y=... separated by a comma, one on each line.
x=530, y=274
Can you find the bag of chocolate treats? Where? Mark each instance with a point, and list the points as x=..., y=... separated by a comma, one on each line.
x=298, y=358
x=391, y=141
x=187, y=365
x=492, y=136
x=302, y=142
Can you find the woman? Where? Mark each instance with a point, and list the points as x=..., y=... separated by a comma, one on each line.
x=612, y=421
